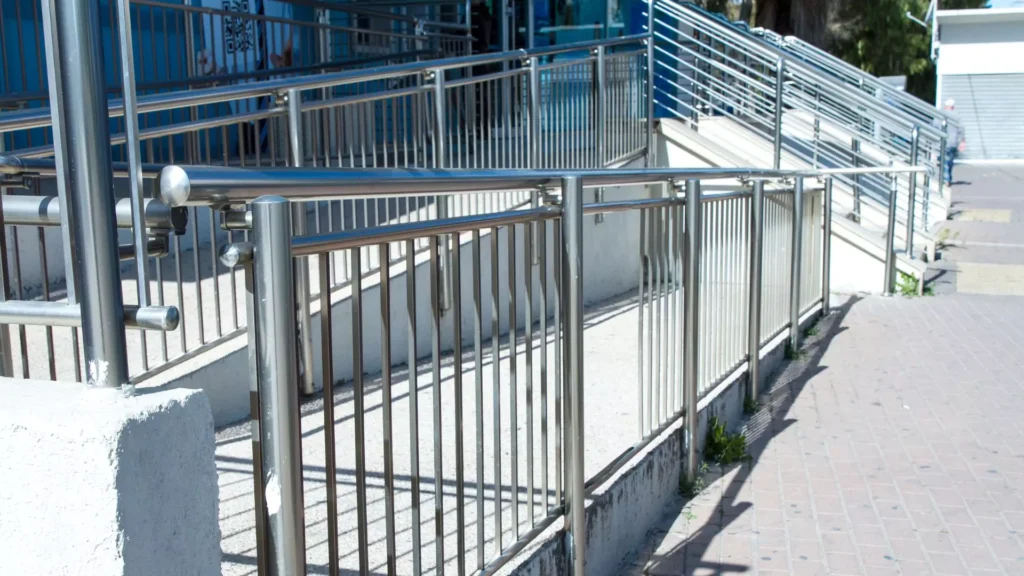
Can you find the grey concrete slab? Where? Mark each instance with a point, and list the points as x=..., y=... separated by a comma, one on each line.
x=896, y=448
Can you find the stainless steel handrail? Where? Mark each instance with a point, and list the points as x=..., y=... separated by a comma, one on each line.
x=219, y=186
x=40, y=117
x=764, y=49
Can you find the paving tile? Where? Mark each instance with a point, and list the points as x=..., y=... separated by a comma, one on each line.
x=860, y=476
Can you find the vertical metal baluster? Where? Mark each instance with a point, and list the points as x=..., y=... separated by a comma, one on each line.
x=795, y=262
x=327, y=369
x=358, y=393
x=528, y=323
x=826, y=247
x=656, y=416
x=435, y=355
x=560, y=432
x=197, y=277
x=651, y=231
x=460, y=458
x=663, y=326
x=478, y=358
x=496, y=382
x=513, y=382
x=386, y=407
x=670, y=254
x=414, y=410
x=543, y=271
x=640, y=326
x=680, y=296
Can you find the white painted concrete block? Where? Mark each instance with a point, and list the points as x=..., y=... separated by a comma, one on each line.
x=94, y=482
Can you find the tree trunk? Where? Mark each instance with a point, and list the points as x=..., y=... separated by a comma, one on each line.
x=807, y=19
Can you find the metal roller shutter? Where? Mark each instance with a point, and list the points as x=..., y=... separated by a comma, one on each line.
x=991, y=110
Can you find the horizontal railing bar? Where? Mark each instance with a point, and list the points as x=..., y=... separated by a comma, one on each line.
x=45, y=211
x=219, y=186
x=587, y=44
x=20, y=165
x=557, y=513
x=627, y=205
x=486, y=77
x=40, y=117
x=156, y=247
x=343, y=240
x=363, y=98
x=41, y=313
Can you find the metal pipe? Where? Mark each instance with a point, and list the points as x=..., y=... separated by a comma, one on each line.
x=912, y=191
x=855, y=150
x=43, y=313
x=826, y=248
x=754, y=288
x=691, y=316
x=156, y=247
x=60, y=162
x=890, y=234
x=131, y=125
x=441, y=202
x=650, y=156
x=45, y=211
x=780, y=77
x=276, y=370
x=535, y=101
x=572, y=284
x=600, y=120
x=296, y=148
x=92, y=210
x=795, y=262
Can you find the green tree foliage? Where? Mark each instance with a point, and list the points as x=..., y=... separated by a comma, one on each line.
x=877, y=36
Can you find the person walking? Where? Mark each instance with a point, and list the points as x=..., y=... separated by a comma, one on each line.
x=955, y=142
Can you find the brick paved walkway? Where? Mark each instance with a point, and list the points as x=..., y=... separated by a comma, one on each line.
x=895, y=446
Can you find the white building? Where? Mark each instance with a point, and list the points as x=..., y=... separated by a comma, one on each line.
x=980, y=64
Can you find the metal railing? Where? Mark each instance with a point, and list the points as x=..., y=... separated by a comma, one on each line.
x=534, y=114
x=706, y=68
x=923, y=111
x=718, y=266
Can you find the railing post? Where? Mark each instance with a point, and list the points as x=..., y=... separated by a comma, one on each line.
x=795, y=262
x=890, y=234
x=826, y=247
x=572, y=286
x=91, y=182
x=651, y=159
x=293, y=101
x=534, y=136
x=855, y=150
x=691, y=343
x=912, y=190
x=754, y=304
x=780, y=77
x=441, y=202
x=276, y=351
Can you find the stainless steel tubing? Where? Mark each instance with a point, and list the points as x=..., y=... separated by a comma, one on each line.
x=156, y=247
x=912, y=191
x=650, y=151
x=296, y=153
x=131, y=124
x=826, y=247
x=276, y=370
x=691, y=247
x=572, y=283
x=601, y=99
x=780, y=77
x=45, y=211
x=754, y=289
x=890, y=234
x=441, y=202
x=42, y=313
x=88, y=145
x=855, y=150
x=218, y=185
x=794, y=264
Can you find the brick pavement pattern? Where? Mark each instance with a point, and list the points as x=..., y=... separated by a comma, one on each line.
x=895, y=446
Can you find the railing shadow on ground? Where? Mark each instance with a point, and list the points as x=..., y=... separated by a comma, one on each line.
x=789, y=382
